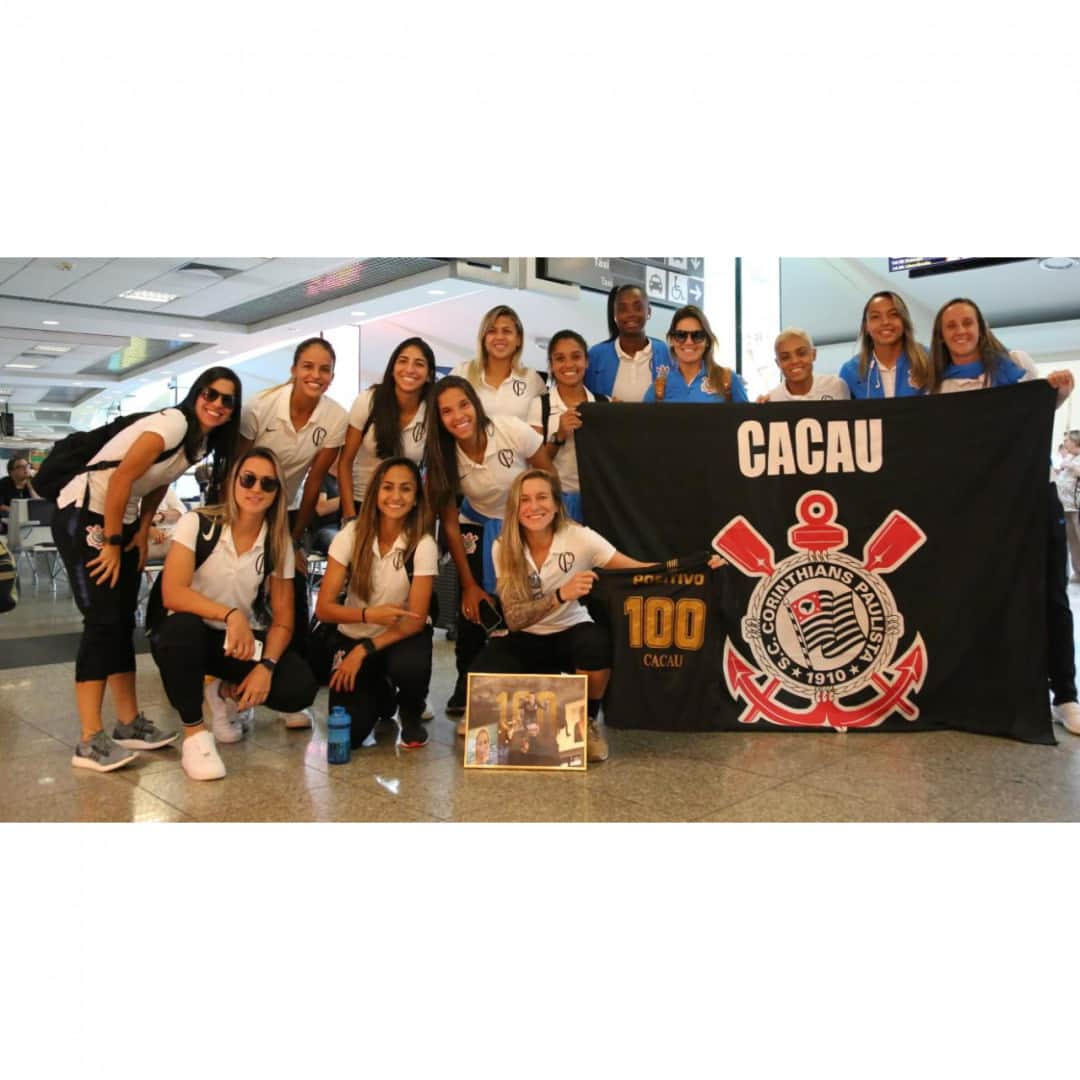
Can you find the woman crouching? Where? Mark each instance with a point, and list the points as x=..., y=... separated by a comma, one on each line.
x=549, y=628
x=223, y=562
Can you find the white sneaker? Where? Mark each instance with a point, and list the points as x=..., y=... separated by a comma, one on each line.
x=200, y=758
x=1068, y=715
x=301, y=719
x=223, y=719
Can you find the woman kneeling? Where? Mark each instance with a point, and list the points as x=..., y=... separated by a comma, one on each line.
x=544, y=564
x=223, y=561
x=387, y=559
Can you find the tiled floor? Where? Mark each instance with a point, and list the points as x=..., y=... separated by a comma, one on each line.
x=280, y=775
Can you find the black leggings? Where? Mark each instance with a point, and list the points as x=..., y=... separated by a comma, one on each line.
x=108, y=614
x=584, y=647
x=186, y=649
x=406, y=664
x=1061, y=651
x=470, y=639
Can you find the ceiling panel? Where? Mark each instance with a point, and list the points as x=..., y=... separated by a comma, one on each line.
x=44, y=278
x=116, y=277
x=11, y=266
x=269, y=277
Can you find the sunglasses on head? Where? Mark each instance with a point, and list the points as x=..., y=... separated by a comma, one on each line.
x=210, y=395
x=269, y=484
x=696, y=336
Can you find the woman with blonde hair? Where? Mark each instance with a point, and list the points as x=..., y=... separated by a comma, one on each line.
x=549, y=628
x=502, y=382
x=890, y=362
x=226, y=591
x=385, y=561
x=695, y=375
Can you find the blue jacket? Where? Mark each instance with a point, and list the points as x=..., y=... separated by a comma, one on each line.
x=677, y=389
x=604, y=364
x=871, y=386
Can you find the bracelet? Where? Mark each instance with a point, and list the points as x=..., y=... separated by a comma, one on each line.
x=558, y=596
x=228, y=613
x=556, y=441
x=363, y=614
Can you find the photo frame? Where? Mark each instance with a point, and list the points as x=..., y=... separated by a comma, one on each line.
x=526, y=722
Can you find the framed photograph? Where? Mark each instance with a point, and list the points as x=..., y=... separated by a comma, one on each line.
x=526, y=722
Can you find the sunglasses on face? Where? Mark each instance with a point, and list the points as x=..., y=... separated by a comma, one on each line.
x=269, y=484
x=210, y=395
x=696, y=336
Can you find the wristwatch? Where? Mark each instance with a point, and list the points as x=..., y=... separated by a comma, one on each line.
x=117, y=539
x=556, y=441
x=268, y=664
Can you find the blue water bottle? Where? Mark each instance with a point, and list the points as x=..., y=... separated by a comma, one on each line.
x=338, y=746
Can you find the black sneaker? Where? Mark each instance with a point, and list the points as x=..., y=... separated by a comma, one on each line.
x=458, y=700
x=413, y=735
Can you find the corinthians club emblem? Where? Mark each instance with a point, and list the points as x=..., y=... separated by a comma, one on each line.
x=823, y=626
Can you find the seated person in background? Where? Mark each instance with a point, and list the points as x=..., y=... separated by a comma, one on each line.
x=327, y=521
x=16, y=485
x=170, y=510
x=795, y=355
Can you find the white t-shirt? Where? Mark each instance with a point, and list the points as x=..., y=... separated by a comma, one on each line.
x=486, y=485
x=511, y=397
x=823, y=388
x=171, y=425
x=573, y=549
x=267, y=423
x=389, y=579
x=566, y=455
x=633, y=376
x=412, y=440
x=226, y=577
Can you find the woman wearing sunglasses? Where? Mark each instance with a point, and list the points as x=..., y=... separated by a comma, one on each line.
x=304, y=429
x=101, y=529
x=230, y=615
x=695, y=376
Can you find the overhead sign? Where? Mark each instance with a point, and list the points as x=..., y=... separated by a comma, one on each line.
x=923, y=266
x=669, y=281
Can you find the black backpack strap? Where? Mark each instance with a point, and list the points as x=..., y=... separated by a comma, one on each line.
x=545, y=413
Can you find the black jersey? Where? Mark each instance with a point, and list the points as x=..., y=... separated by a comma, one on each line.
x=667, y=637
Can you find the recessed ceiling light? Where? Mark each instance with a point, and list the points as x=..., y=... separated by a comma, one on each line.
x=148, y=296
x=55, y=349
x=1059, y=263
x=23, y=367
x=357, y=314
x=223, y=352
x=50, y=322
x=436, y=292
x=185, y=335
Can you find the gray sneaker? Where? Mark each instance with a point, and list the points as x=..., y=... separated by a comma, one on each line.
x=142, y=734
x=101, y=754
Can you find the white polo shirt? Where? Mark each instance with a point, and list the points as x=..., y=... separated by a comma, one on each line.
x=226, y=577
x=566, y=455
x=171, y=425
x=267, y=423
x=634, y=374
x=574, y=548
x=510, y=444
x=823, y=388
x=412, y=440
x=389, y=579
x=511, y=397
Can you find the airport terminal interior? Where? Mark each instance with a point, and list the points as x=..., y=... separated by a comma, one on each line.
x=84, y=340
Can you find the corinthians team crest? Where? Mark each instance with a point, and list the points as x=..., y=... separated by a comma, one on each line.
x=823, y=626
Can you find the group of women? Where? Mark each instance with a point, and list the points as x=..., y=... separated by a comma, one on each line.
x=488, y=451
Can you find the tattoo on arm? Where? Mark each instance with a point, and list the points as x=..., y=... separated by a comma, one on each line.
x=526, y=612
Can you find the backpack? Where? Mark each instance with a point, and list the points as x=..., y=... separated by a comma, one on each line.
x=68, y=458
x=9, y=579
x=206, y=541
x=545, y=409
